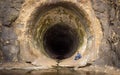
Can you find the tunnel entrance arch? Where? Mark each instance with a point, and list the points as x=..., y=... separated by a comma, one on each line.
x=63, y=24
x=45, y=18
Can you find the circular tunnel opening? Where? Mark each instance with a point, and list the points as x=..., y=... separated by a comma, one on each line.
x=60, y=41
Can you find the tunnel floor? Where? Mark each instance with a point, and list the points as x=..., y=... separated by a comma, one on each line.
x=93, y=70
x=60, y=41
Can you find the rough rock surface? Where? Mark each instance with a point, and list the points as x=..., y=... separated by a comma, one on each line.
x=107, y=11
x=9, y=11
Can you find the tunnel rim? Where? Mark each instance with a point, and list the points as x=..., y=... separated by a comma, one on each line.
x=77, y=11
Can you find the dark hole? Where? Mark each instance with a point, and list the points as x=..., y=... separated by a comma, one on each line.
x=60, y=41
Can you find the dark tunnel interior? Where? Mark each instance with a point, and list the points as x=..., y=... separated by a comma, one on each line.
x=60, y=41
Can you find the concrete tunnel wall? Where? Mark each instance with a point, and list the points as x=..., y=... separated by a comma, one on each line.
x=50, y=31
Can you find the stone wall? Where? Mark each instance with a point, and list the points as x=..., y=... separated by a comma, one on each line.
x=107, y=11
x=9, y=11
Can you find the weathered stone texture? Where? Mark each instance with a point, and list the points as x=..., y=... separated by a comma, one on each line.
x=9, y=11
x=107, y=11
